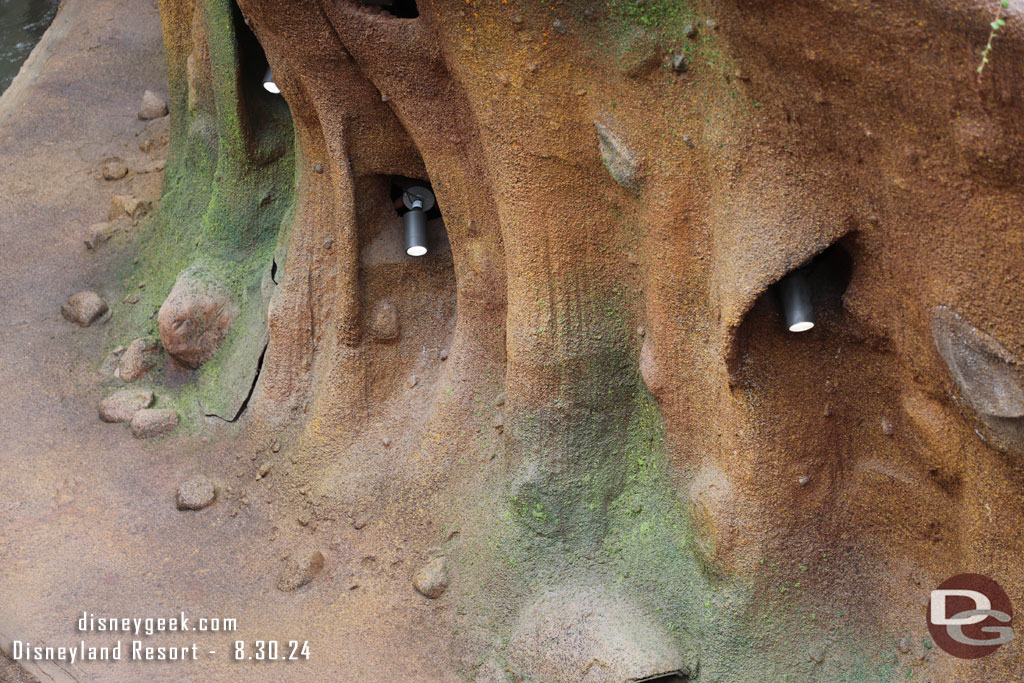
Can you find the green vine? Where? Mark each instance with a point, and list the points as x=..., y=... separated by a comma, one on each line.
x=996, y=24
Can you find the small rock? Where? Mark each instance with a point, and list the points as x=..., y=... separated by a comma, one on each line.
x=153, y=106
x=122, y=405
x=641, y=331
x=195, y=317
x=688, y=141
x=690, y=31
x=741, y=75
x=817, y=654
x=146, y=145
x=140, y=357
x=84, y=308
x=499, y=422
x=443, y=355
x=318, y=168
x=98, y=233
x=264, y=469
x=114, y=168
x=151, y=422
x=517, y=20
x=905, y=644
x=386, y=441
x=276, y=446
x=711, y=24
x=803, y=480
x=384, y=324
x=328, y=243
x=680, y=63
x=128, y=205
x=499, y=400
x=559, y=26
x=300, y=571
x=361, y=521
x=432, y=580
x=887, y=427
x=412, y=381
x=196, y=493
x=622, y=163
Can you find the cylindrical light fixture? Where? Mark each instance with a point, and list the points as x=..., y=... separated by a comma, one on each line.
x=795, y=297
x=268, y=83
x=418, y=200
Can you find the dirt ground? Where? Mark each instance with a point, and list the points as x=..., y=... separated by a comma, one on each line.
x=89, y=520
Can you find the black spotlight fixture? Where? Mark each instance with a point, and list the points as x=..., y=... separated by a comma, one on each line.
x=268, y=83
x=795, y=297
x=418, y=200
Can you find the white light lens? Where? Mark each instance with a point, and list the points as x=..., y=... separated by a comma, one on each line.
x=271, y=87
x=416, y=251
x=801, y=327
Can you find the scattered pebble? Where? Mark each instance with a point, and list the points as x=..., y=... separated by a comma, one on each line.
x=711, y=24
x=328, y=243
x=432, y=580
x=140, y=357
x=443, y=355
x=499, y=422
x=499, y=400
x=153, y=106
x=128, y=205
x=690, y=31
x=114, y=168
x=412, y=381
x=361, y=521
x=151, y=422
x=98, y=233
x=386, y=441
x=84, y=308
x=559, y=26
x=276, y=447
x=122, y=405
x=887, y=426
x=264, y=469
x=680, y=63
x=803, y=480
x=688, y=141
x=196, y=493
x=318, y=168
x=300, y=571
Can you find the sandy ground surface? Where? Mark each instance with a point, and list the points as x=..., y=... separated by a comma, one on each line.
x=88, y=516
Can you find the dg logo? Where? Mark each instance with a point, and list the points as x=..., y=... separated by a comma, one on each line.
x=970, y=616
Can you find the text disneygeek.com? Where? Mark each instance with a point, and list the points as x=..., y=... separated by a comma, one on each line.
x=137, y=649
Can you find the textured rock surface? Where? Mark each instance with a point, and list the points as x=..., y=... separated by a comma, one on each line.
x=152, y=422
x=84, y=308
x=122, y=405
x=195, y=317
x=662, y=430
